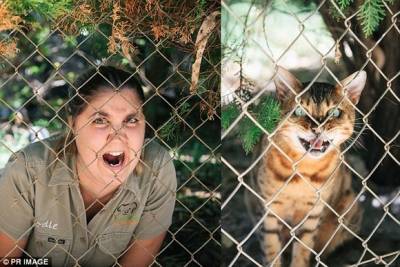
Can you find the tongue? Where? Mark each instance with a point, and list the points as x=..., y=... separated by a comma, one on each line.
x=316, y=143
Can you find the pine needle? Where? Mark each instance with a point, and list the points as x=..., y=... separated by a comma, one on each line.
x=8, y=20
x=344, y=3
x=267, y=114
x=229, y=114
x=371, y=14
x=8, y=48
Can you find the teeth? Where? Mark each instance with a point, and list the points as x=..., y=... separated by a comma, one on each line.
x=115, y=153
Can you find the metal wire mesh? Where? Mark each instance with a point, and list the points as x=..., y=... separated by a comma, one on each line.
x=33, y=97
x=250, y=58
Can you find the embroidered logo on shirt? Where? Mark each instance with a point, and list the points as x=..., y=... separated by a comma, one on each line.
x=47, y=224
x=125, y=213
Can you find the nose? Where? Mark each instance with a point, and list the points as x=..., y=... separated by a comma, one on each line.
x=316, y=125
x=316, y=130
x=117, y=131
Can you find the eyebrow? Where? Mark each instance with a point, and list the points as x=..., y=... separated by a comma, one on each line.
x=105, y=114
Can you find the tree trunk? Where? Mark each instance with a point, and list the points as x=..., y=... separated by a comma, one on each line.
x=384, y=119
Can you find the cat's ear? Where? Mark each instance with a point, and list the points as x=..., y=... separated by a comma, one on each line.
x=286, y=84
x=354, y=85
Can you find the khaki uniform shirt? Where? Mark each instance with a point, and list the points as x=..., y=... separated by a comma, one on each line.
x=41, y=202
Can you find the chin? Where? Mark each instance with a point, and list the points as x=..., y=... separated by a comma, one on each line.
x=316, y=154
x=315, y=149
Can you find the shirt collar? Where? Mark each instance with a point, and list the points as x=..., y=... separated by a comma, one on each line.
x=64, y=172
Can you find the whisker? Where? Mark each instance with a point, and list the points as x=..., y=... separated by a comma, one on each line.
x=356, y=146
x=355, y=132
x=354, y=142
x=359, y=131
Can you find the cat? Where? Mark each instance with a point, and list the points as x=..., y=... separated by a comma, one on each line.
x=304, y=157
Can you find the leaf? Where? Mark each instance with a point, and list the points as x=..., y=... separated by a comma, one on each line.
x=228, y=115
x=267, y=114
x=344, y=3
x=169, y=131
x=371, y=14
x=184, y=109
x=250, y=134
x=45, y=8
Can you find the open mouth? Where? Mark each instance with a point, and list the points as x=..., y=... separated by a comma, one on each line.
x=114, y=159
x=315, y=145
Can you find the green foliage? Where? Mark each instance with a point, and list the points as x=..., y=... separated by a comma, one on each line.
x=45, y=8
x=344, y=3
x=266, y=113
x=371, y=14
x=230, y=113
x=249, y=133
x=52, y=126
x=201, y=6
x=169, y=131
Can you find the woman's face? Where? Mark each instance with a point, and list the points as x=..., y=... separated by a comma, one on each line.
x=109, y=135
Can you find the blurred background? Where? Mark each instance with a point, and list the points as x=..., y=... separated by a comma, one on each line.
x=45, y=45
x=323, y=41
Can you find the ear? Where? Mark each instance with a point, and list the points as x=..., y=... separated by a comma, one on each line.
x=353, y=85
x=286, y=84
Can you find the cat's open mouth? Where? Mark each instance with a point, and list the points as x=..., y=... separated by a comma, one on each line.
x=315, y=145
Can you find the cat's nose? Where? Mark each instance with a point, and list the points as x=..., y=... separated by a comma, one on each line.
x=316, y=130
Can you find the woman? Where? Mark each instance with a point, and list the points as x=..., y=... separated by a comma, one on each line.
x=97, y=195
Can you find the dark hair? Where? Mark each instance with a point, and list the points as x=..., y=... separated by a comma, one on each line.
x=103, y=78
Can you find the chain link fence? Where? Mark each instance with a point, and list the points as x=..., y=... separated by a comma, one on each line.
x=318, y=41
x=41, y=57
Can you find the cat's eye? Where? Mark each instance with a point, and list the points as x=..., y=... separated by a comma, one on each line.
x=334, y=113
x=299, y=112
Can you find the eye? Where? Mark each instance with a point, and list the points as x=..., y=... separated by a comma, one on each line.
x=334, y=113
x=100, y=121
x=299, y=112
x=132, y=121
